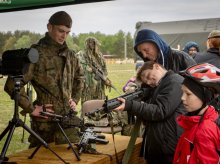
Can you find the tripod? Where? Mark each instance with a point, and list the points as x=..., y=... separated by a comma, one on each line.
x=16, y=122
x=55, y=118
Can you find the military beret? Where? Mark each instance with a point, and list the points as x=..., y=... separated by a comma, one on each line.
x=61, y=18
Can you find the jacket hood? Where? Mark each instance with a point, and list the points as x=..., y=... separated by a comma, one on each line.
x=147, y=35
x=189, y=45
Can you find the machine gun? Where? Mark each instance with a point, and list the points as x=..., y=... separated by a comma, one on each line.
x=88, y=137
x=111, y=104
x=69, y=120
x=100, y=75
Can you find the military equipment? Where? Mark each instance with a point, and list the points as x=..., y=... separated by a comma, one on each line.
x=67, y=121
x=60, y=119
x=16, y=62
x=48, y=114
x=100, y=75
x=111, y=104
x=88, y=137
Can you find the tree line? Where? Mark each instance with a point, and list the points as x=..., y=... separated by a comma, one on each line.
x=110, y=44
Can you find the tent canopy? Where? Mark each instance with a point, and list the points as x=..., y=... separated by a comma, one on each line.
x=17, y=5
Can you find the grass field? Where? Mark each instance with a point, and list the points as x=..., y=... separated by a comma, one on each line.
x=118, y=74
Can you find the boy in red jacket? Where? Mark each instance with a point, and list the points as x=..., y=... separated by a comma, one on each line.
x=200, y=142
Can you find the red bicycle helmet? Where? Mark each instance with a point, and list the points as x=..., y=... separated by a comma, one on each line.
x=205, y=74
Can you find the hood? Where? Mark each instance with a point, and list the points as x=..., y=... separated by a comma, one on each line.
x=147, y=35
x=189, y=45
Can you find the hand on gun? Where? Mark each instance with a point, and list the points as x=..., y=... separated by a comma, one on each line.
x=42, y=108
x=72, y=104
x=122, y=106
x=108, y=82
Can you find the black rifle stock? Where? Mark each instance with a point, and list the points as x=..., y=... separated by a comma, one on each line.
x=111, y=104
x=89, y=136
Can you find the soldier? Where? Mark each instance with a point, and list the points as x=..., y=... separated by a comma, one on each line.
x=57, y=79
x=92, y=60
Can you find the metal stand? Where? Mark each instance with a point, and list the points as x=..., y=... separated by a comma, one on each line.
x=16, y=122
x=55, y=119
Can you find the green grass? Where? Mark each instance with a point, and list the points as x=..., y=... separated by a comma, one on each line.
x=118, y=74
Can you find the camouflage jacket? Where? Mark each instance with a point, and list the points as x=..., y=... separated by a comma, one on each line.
x=56, y=77
x=93, y=87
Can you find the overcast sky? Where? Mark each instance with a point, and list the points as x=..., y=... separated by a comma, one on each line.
x=111, y=16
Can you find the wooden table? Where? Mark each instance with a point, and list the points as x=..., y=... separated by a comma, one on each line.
x=45, y=156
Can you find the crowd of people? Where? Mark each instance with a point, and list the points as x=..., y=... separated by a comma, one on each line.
x=180, y=124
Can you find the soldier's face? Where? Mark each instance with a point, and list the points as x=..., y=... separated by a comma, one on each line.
x=92, y=44
x=58, y=33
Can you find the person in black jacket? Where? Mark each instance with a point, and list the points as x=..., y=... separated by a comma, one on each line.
x=158, y=112
x=212, y=55
x=150, y=46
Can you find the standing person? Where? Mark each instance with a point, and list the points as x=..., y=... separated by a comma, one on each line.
x=159, y=112
x=150, y=46
x=200, y=142
x=92, y=60
x=212, y=55
x=191, y=48
x=57, y=79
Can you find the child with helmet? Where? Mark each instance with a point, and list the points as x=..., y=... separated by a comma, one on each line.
x=200, y=142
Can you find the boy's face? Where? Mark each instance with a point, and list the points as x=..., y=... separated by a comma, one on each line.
x=190, y=101
x=148, y=50
x=58, y=33
x=153, y=76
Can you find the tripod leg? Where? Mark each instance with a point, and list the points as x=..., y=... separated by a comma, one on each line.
x=21, y=123
x=67, y=139
x=35, y=151
x=5, y=131
x=11, y=128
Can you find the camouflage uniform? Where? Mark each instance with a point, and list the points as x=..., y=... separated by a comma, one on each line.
x=56, y=78
x=93, y=86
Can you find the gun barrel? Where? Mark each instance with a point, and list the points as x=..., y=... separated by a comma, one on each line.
x=114, y=103
x=115, y=89
x=48, y=114
x=101, y=141
x=111, y=104
x=100, y=136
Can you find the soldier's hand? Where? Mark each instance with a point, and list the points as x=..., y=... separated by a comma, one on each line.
x=122, y=106
x=108, y=83
x=42, y=108
x=72, y=104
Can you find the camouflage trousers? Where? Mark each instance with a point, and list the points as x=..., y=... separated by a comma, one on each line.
x=49, y=131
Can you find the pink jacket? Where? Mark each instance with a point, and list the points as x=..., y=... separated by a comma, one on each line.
x=200, y=141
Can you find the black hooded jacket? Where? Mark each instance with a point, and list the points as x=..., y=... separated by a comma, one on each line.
x=159, y=113
x=171, y=59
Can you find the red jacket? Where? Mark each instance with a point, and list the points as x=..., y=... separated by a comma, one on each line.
x=200, y=141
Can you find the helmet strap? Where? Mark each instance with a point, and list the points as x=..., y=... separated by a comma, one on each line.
x=196, y=112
